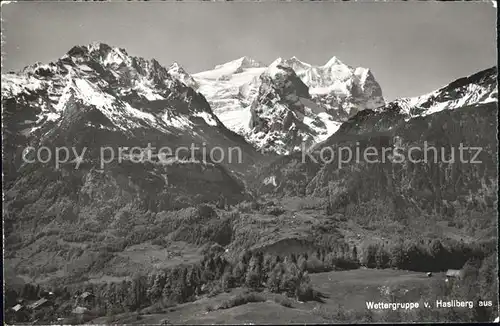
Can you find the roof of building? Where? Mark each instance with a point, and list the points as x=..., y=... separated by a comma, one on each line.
x=17, y=307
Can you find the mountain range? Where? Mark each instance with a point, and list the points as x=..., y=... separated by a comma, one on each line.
x=305, y=103
x=463, y=113
x=97, y=96
x=290, y=105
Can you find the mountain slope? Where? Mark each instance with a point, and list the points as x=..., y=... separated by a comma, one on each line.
x=230, y=88
x=442, y=185
x=479, y=88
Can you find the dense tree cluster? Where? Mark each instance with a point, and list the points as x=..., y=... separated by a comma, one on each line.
x=477, y=284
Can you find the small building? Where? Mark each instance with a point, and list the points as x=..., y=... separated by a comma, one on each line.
x=80, y=310
x=429, y=274
x=17, y=308
x=40, y=304
x=453, y=273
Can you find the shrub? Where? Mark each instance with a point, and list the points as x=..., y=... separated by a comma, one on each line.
x=285, y=302
x=206, y=212
x=276, y=211
x=305, y=292
x=162, y=242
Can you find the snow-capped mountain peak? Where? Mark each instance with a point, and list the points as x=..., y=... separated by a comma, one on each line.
x=343, y=90
x=178, y=72
x=276, y=62
x=98, y=97
x=283, y=115
x=240, y=63
x=278, y=66
x=478, y=88
x=101, y=52
x=334, y=61
x=226, y=70
x=296, y=64
x=175, y=66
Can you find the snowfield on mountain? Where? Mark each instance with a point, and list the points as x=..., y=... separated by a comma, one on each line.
x=336, y=92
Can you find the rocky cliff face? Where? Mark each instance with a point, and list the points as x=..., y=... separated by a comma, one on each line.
x=178, y=72
x=284, y=118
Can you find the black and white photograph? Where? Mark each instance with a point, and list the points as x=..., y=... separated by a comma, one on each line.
x=249, y=162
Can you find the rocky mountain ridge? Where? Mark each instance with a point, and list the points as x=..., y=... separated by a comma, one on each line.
x=97, y=96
